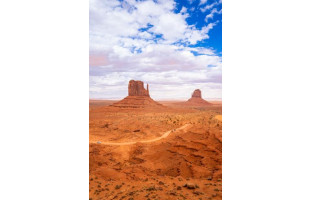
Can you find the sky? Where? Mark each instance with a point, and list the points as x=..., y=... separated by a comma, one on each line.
x=174, y=46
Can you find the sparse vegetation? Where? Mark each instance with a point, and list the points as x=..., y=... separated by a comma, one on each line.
x=155, y=170
x=118, y=187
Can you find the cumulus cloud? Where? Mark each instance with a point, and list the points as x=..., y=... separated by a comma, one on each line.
x=149, y=41
x=183, y=10
x=210, y=6
x=211, y=15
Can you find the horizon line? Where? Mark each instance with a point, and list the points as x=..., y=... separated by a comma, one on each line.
x=112, y=99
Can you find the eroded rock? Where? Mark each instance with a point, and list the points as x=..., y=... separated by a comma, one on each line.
x=197, y=93
x=136, y=88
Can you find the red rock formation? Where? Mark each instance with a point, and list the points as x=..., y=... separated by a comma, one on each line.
x=197, y=93
x=138, y=97
x=197, y=100
x=136, y=88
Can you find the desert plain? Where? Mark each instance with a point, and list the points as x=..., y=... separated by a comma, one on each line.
x=130, y=160
x=141, y=149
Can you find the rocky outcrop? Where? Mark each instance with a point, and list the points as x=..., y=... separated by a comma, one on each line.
x=136, y=88
x=197, y=93
x=137, y=102
x=197, y=100
x=138, y=97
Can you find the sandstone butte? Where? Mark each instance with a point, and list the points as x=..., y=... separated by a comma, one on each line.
x=197, y=100
x=138, y=97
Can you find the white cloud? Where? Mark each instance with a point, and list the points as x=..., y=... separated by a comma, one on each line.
x=210, y=6
x=183, y=10
x=147, y=41
x=211, y=15
x=191, y=1
x=202, y=2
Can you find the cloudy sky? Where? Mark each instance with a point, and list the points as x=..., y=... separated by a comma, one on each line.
x=174, y=46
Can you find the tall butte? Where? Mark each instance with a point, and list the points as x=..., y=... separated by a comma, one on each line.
x=197, y=100
x=138, y=97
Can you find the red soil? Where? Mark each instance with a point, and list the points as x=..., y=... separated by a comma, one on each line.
x=159, y=169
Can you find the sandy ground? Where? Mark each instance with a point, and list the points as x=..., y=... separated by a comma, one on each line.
x=164, y=135
x=172, y=153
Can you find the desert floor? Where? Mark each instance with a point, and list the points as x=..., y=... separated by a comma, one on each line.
x=169, y=153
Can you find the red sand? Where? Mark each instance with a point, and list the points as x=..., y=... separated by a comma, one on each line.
x=191, y=153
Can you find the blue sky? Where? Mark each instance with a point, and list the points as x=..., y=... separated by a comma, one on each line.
x=197, y=17
x=175, y=46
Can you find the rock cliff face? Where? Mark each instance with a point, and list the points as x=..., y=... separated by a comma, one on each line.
x=136, y=88
x=197, y=93
x=138, y=97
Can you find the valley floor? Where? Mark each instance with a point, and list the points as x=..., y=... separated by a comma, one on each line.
x=184, y=164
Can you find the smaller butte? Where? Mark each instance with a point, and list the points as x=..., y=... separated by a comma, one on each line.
x=197, y=100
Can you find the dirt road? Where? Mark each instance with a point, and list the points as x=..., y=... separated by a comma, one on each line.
x=166, y=134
